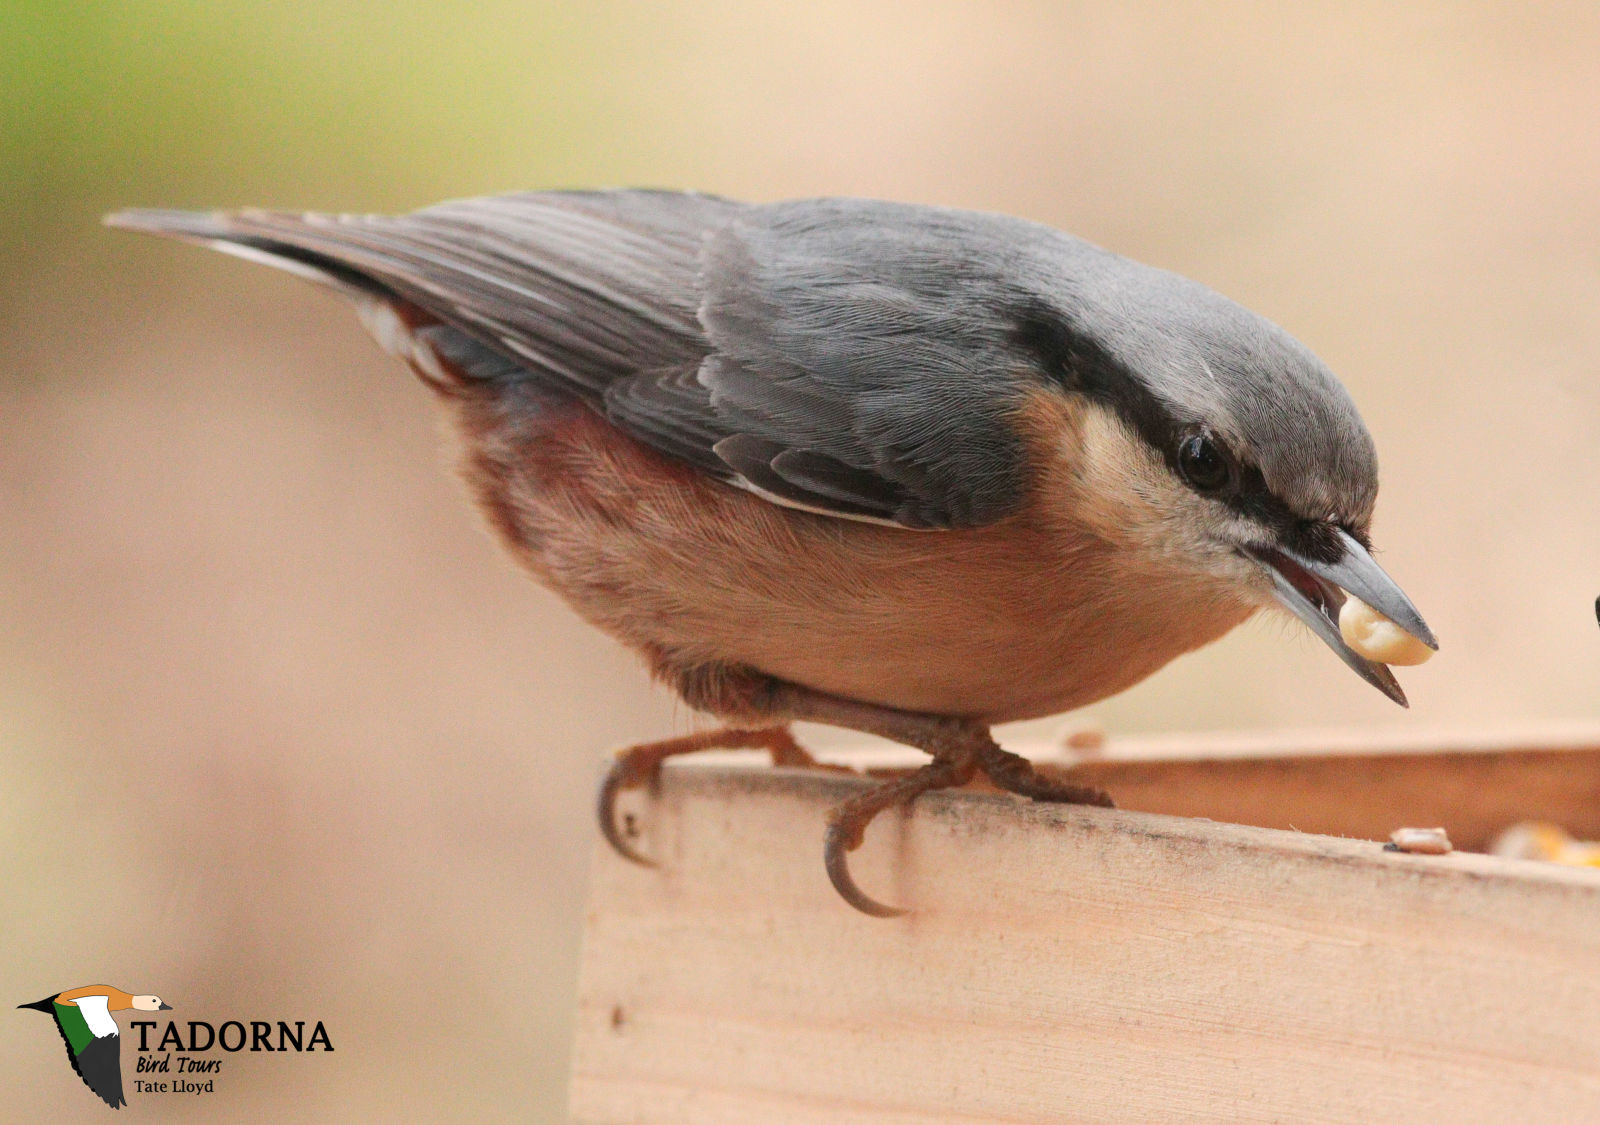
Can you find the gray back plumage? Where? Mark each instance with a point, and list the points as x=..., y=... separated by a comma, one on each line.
x=856, y=357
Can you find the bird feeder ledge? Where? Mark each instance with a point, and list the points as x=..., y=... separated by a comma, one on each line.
x=1093, y=965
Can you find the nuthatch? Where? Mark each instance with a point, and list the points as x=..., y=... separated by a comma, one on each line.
x=905, y=470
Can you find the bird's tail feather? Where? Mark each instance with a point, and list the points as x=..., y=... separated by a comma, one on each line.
x=442, y=355
x=48, y=1004
x=219, y=231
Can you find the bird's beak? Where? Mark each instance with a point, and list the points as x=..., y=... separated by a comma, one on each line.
x=165, y=1008
x=1314, y=591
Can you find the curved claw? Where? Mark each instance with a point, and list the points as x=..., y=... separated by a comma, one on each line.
x=606, y=807
x=640, y=765
x=836, y=849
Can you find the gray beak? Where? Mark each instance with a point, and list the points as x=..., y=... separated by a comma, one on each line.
x=1314, y=591
x=165, y=1008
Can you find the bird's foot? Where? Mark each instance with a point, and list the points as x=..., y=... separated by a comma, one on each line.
x=961, y=749
x=847, y=824
x=1015, y=774
x=640, y=765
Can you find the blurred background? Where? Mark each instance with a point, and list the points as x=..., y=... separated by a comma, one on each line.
x=282, y=734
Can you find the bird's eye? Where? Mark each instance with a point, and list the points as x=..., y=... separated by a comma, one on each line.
x=1203, y=464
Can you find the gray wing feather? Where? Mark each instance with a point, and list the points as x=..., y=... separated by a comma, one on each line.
x=572, y=295
x=671, y=411
x=868, y=334
x=839, y=355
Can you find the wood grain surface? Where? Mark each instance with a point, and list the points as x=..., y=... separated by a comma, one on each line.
x=1067, y=964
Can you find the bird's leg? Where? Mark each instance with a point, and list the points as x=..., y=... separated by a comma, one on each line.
x=640, y=765
x=785, y=751
x=960, y=748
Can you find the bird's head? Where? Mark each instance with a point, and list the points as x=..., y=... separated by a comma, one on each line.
x=1214, y=445
x=150, y=1004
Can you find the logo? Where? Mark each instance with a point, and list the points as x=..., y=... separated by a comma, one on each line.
x=167, y=1055
x=94, y=1043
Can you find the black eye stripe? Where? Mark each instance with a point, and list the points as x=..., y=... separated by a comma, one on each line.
x=1077, y=363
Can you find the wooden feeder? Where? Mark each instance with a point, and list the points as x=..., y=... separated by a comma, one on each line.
x=1063, y=964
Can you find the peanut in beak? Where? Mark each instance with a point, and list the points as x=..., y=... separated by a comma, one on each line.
x=1375, y=637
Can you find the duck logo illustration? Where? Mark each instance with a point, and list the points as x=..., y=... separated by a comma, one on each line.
x=94, y=1043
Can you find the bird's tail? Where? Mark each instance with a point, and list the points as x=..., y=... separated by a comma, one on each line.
x=48, y=1004
x=228, y=233
x=442, y=355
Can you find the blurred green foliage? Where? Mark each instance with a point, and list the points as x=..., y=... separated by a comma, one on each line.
x=345, y=104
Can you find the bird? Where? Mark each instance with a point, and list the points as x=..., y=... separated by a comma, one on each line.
x=93, y=1041
x=903, y=469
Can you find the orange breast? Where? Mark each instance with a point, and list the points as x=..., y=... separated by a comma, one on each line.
x=1021, y=619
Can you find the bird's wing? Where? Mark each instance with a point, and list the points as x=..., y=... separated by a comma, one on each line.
x=100, y=1065
x=836, y=355
x=72, y=1028
x=865, y=361
x=93, y=1045
x=577, y=288
x=96, y=1012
